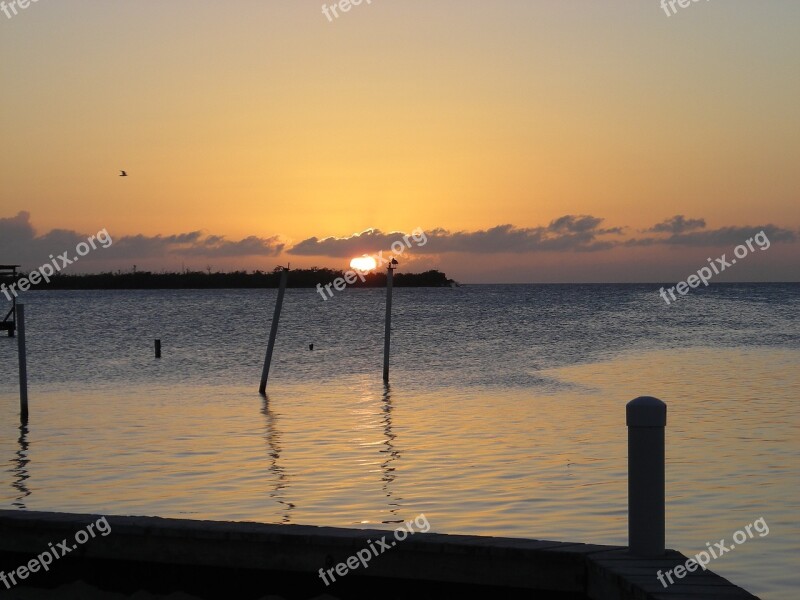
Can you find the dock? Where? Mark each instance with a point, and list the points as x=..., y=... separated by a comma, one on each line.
x=216, y=559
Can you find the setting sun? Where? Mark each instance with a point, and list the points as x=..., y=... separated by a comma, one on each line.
x=363, y=263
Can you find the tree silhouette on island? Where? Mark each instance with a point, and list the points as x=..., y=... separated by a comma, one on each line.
x=298, y=278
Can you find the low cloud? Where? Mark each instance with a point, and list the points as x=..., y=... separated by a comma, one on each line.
x=677, y=224
x=692, y=233
x=368, y=241
x=564, y=234
x=193, y=244
x=567, y=233
x=20, y=244
x=730, y=236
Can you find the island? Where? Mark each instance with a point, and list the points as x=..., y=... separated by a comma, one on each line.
x=298, y=278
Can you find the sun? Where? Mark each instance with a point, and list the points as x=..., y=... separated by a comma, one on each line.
x=363, y=263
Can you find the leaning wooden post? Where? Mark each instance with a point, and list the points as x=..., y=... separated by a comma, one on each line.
x=388, y=327
x=13, y=316
x=646, y=419
x=273, y=333
x=23, y=364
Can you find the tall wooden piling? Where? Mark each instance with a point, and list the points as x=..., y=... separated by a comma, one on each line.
x=388, y=326
x=157, y=348
x=273, y=333
x=23, y=364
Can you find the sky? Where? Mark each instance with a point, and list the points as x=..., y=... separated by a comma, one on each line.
x=532, y=141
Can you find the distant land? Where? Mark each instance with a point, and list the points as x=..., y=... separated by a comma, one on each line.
x=298, y=278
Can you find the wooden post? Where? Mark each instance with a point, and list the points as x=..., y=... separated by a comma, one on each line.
x=273, y=333
x=23, y=364
x=158, y=348
x=646, y=419
x=13, y=316
x=388, y=327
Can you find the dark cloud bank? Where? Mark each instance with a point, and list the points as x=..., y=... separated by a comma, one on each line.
x=20, y=243
x=570, y=233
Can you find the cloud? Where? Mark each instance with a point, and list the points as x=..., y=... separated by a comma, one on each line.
x=719, y=238
x=731, y=236
x=19, y=226
x=677, y=224
x=192, y=244
x=560, y=235
x=365, y=242
x=575, y=224
x=567, y=233
x=20, y=244
x=217, y=246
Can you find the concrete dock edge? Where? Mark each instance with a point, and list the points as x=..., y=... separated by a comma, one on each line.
x=258, y=555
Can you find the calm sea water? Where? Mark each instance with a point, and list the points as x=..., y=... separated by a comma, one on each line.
x=505, y=415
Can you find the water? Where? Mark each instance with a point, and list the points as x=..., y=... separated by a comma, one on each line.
x=505, y=415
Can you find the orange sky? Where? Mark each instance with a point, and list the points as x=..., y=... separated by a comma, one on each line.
x=265, y=119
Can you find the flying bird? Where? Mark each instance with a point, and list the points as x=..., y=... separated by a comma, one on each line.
x=123, y=174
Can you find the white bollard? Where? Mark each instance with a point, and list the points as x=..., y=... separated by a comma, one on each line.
x=646, y=419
